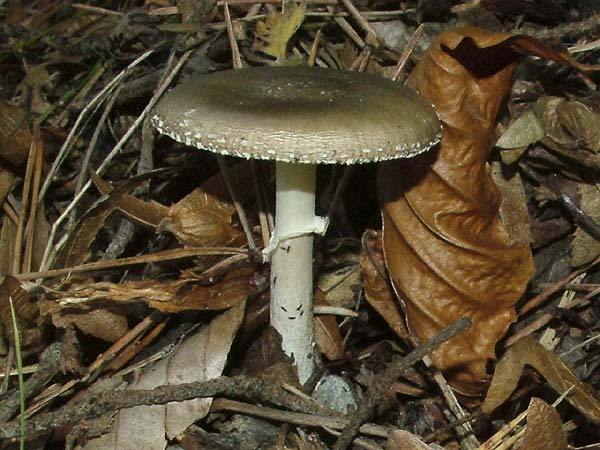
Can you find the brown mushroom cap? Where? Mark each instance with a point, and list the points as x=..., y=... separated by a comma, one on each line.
x=299, y=114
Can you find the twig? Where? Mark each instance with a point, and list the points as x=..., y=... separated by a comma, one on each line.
x=50, y=252
x=390, y=375
x=554, y=288
x=407, y=51
x=38, y=151
x=166, y=255
x=95, y=406
x=92, y=105
x=585, y=221
x=48, y=366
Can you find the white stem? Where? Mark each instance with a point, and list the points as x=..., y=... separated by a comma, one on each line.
x=292, y=261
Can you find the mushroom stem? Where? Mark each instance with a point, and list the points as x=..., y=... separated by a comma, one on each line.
x=291, y=266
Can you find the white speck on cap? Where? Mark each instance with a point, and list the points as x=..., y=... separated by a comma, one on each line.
x=299, y=114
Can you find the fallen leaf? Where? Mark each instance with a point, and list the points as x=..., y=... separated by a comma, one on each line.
x=327, y=332
x=201, y=357
x=184, y=294
x=403, y=440
x=200, y=219
x=513, y=211
x=32, y=88
x=523, y=131
x=101, y=323
x=544, y=428
x=26, y=310
x=567, y=127
x=6, y=183
x=584, y=248
x=76, y=248
x=145, y=213
x=7, y=246
x=445, y=247
x=378, y=292
x=527, y=351
x=15, y=136
x=272, y=34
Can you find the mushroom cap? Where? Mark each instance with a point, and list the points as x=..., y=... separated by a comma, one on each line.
x=299, y=114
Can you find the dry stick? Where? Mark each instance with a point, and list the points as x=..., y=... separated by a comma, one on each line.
x=585, y=221
x=48, y=366
x=314, y=48
x=554, y=288
x=94, y=369
x=389, y=376
x=10, y=212
x=263, y=206
x=83, y=174
x=37, y=176
x=94, y=406
x=49, y=253
x=166, y=255
x=347, y=28
x=407, y=51
x=16, y=265
x=308, y=420
x=78, y=97
x=362, y=22
x=84, y=112
x=235, y=51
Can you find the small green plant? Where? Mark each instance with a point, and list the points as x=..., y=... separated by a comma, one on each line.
x=19, y=373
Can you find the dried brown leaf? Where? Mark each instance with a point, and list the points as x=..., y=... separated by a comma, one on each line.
x=198, y=358
x=26, y=310
x=513, y=211
x=445, y=247
x=15, y=137
x=527, y=351
x=169, y=297
x=378, y=292
x=584, y=248
x=544, y=428
x=200, y=219
x=6, y=182
x=101, y=323
x=7, y=246
x=327, y=332
x=76, y=248
x=568, y=127
x=403, y=440
x=145, y=213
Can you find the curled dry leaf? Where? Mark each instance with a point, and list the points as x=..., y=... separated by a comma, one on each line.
x=378, y=292
x=445, y=247
x=26, y=310
x=200, y=219
x=273, y=34
x=567, y=127
x=184, y=294
x=76, y=248
x=544, y=428
x=527, y=351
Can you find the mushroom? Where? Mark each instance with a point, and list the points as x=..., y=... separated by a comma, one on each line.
x=299, y=117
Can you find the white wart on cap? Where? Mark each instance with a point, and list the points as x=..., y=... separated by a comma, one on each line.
x=299, y=114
